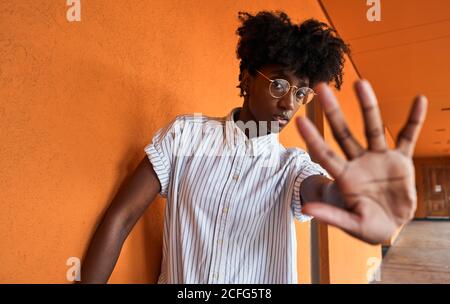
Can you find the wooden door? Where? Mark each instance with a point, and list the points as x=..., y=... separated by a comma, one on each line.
x=437, y=190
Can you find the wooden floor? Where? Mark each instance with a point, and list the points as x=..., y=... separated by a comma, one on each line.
x=421, y=254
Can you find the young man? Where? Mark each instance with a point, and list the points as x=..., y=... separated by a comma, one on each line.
x=233, y=190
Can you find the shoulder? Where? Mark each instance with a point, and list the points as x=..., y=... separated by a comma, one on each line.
x=187, y=126
x=297, y=155
x=297, y=152
x=306, y=165
x=301, y=160
x=198, y=119
x=197, y=122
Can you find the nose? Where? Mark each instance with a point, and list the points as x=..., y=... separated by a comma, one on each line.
x=287, y=102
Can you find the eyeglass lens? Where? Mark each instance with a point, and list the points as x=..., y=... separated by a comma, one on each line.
x=279, y=88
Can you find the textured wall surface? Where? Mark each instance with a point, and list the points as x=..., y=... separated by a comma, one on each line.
x=80, y=100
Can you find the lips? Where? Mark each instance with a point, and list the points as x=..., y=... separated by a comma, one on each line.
x=282, y=119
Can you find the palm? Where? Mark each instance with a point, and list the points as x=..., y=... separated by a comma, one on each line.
x=376, y=184
x=371, y=194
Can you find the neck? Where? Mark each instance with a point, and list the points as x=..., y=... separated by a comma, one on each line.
x=245, y=115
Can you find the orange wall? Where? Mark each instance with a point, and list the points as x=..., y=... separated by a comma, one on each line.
x=78, y=103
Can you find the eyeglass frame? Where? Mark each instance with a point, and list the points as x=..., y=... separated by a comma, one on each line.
x=290, y=86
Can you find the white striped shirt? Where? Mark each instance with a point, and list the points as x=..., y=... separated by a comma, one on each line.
x=231, y=202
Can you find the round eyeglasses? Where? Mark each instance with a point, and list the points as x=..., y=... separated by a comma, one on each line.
x=280, y=87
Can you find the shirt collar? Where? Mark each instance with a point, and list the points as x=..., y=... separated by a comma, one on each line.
x=235, y=136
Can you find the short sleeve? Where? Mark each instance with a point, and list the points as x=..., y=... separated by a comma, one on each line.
x=306, y=167
x=163, y=149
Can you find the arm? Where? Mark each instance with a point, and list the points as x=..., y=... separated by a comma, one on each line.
x=126, y=208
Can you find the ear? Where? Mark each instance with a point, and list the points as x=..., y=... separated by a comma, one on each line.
x=245, y=80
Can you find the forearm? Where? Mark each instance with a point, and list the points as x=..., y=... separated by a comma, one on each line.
x=103, y=252
x=319, y=188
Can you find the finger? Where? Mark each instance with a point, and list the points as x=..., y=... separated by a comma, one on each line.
x=333, y=216
x=373, y=126
x=319, y=149
x=339, y=126
x=407, y=137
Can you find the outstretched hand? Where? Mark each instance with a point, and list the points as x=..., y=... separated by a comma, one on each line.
x=377, y=184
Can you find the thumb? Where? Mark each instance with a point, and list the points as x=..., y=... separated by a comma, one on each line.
x=334, y=216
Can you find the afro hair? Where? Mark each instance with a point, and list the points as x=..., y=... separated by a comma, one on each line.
x=311, y=49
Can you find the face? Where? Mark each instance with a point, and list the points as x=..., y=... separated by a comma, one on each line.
x=260, y=106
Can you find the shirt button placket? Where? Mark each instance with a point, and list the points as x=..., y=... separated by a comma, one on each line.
x=237, y=166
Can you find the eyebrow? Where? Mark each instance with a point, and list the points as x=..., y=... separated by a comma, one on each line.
x=277, y=73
